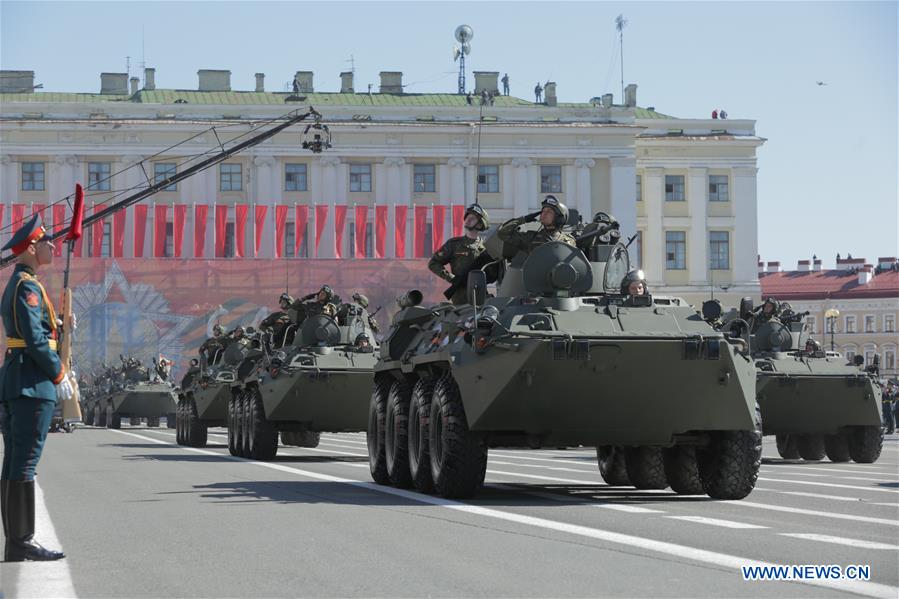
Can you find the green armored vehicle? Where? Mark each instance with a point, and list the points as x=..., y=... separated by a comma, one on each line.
x=134, y=392
x=816, y=404
x=561, y=357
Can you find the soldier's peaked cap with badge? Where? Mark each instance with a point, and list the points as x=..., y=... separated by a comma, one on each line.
x=31, y=232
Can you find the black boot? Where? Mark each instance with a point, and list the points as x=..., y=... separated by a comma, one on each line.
x=3, y=485
x=20, y=544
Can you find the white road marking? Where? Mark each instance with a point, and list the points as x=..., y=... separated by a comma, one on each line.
x=841, y=541
x=630, y=509
x=796, y=510
x=704, y=556
x=554, y=468
x=715, y=522
x=820, y=496
x=826, y=469
x=835, y=485
x=592, y=464
x=552, y=478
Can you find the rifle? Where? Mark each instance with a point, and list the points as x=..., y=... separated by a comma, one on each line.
x=461, y=279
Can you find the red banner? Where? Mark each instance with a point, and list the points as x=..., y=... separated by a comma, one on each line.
x=59, y=224
x=261, y=211
x=299, y=228
x=421, y=226
x=361, y=230
x=399, y=230
x=42, y=208
x=439, y=222
x=380, y=231
x=240, y=229
x=201, y=212
x=97, y=232
x=321, y=216
x=118, y=233
x=180, y=218
x=339, y=228
x=280, y=227
x=18, y=215
x=140, y=229
x=458, y=220
x=221, y=228
x=160, y=220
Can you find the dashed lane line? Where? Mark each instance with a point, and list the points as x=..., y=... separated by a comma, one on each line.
x=685, y=552
x=821, y=496
x=717, y=522
x=834, y=485
x=803, y=511
x=630, y=509
x=858, y=543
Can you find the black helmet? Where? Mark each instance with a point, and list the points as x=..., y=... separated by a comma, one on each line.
x=362, y=337
x=558, y=207
x=633, y=276
x=285, y=297
x=481, y=214
x=328, y=292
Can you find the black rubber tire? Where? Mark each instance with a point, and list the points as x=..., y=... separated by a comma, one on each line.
x=458, y=457
x=787, y=447
x=179, y=422
x=610, y=459
x=811, y=447
x=153, y=422
x=729, y=465
x=837, y=447
x=113, y=420
x=682, y=470
x=99, y=415
x=170, y=420
x=865, y=444
x=377, y=415
x=301, y=438
x=262, y=436
x=287, y=438
x=418, y=436
x=233, y=425
x=245, y=424
x=645, y=467
x=396, y=434
x=195, y=433
x=134, y=421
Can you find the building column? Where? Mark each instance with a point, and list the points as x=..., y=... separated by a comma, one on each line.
x=622, y=203
x=330, y=191
x=654, y=242
x=746, y=225
x=210, y=193
x=698, y=243
x=267, y=185
x=8, y=178
x=393, y=190
x=581, y=196
x=522, y=195
x=132, y=177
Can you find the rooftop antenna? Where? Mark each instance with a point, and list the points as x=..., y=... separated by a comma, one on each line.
x=128, y=65
x=352, y=62
x=620, y=22
x=143, y=54
x=463, y=34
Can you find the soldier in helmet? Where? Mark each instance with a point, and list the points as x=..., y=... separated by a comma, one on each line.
x=461, y=252
x=362, y=302
x=215, y=343
x=768, y=310
x=553, y=215
x=315, y=303
x=634, y=283
x=363, y=344
x=278, y=320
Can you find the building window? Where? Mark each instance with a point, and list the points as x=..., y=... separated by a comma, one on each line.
x=369, y=236
x=719, y=250
x=551, y=179
x=850, y=324
x=32, y=176
x=811, y=324
x=164, y=170
x=290, y=240
x=674, y=188
x=718, y=188
x=98, y=176
x=295, y=177
x=360, y=177
x=230, y=177
x=488, y=178
x=675, y=250
x=106, y=247
x=889, y=323
x=169, y=249
x=869, y=324
x=849, y=353
x=229, y=241
x=889, y=360
x=424, y=179
x=639, y=188
x=869, y=357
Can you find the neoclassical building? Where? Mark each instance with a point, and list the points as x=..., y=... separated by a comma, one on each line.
x=401, y=168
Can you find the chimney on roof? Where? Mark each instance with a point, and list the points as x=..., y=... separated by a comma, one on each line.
x=135, y=84
x=865, y=274
x=149, y=79
x=114, y=83
x=346, y=82
x=304, y=82
x=774, y=267
x=549, y=94
x=17, y=82
x=630, y=95
x=391, y=82
x=607, y=100
x=761, y=267
x=816, y=265
x=848, y=264
x=212, y=80
x=260, y=82
x=886, y=263
x=804, y=265
x=486, y=81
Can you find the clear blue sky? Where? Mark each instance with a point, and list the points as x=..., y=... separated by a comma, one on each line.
x=828, y=174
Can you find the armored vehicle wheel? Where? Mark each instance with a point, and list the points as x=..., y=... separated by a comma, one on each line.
x=865, y=444
x=262, y=437
x=682, y=471
x=811, y=447
x=377, y=416
x=99, y=416
x=729, y=465
x=458, y=457
x=287, y=438
x=113, y=420
x=153, y=422
x=134, y=421
x=243, y=417
x=396, y=434
x=195, y=433
x=170, y=420
x=837, y=447
x=233, y=432
x=645, y=467
x=610, y=459
x=787, y=447
x=309, y=439
x=419, y=454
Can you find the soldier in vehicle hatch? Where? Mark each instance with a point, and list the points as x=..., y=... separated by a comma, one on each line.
x=553, y=215
x=634, y=283
x=316, y=303
x=278, y=320
x=461, y=252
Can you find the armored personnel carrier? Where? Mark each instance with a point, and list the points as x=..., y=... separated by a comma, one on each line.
x=131, y=391
x=816, y=404
x=560, y=357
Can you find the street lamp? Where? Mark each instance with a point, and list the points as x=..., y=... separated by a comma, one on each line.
x=832, y=314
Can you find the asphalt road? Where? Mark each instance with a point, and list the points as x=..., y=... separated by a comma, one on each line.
x=139, y=516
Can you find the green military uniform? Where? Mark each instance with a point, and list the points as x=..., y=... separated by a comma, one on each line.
x=526, y=241
x=460, y=253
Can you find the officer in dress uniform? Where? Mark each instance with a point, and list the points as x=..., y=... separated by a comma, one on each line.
x=461, y=252
x=32, y=378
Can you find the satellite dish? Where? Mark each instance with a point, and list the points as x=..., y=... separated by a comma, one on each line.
x=466, y=48
x=464, y=33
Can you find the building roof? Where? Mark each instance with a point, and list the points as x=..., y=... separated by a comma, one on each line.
x=824, y=284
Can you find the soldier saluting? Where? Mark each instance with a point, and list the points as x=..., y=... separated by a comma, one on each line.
x=461, y=252
x=553, y=215
x=32, y=379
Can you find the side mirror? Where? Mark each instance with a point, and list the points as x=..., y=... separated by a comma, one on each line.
x=711, y=310
x=746, y=307
x=477, y=287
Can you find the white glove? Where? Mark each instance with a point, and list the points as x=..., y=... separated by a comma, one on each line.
x=65, y=390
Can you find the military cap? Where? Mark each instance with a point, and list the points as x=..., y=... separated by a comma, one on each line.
x=29, y=233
